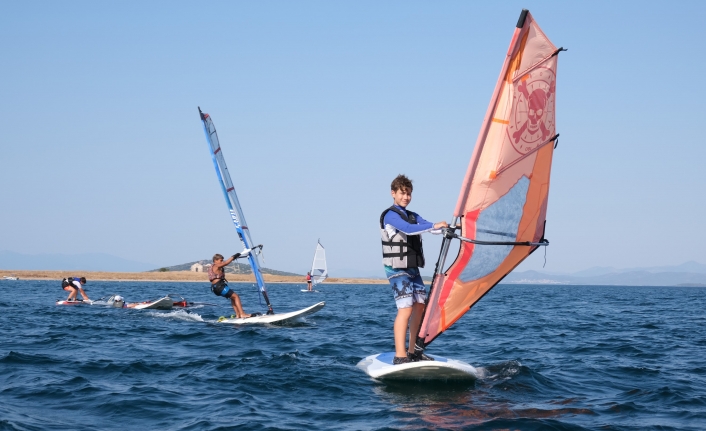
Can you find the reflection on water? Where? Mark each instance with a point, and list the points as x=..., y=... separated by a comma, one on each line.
x=458, y=404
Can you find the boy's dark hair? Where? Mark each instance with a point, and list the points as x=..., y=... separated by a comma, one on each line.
x=401, y=182
x=82, y=280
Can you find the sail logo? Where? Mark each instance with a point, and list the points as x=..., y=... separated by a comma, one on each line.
x=235, y=218
x=532, y=120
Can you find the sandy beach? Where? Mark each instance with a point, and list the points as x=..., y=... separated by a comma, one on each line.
x=173, y=276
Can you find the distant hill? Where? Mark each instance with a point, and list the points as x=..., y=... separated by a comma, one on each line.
x=233, y=268
x=686, y=274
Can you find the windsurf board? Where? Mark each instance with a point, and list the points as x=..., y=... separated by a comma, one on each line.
x=280, y=318
x=65, y=302
x=380, y=367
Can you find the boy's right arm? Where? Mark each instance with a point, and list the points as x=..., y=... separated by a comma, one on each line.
x=394, y=220
x=440, y=225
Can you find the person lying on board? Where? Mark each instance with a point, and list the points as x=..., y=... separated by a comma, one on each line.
x=402, y=256
x=74, y=285
x=308, y=281
x=219, y=284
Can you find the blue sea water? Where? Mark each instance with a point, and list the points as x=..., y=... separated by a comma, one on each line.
x=551, y=357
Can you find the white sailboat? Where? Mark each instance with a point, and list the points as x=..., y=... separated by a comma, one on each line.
x=319, y=273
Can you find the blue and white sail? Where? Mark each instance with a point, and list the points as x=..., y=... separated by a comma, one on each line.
x=319, y=273
x=236, y=212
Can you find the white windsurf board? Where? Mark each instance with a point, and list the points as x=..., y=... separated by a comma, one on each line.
x=307, y=290
x=279, y=318
x=380, y=367
x=76, y=302
x=165, y=303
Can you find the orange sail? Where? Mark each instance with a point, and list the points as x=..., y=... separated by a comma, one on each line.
x=501, y=210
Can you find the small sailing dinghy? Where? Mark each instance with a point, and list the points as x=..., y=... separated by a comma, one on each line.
x=501, y=210
x=241, y=227
x=319, y=273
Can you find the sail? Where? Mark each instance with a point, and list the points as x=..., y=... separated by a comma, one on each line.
x=236, y=212
x=318, y=267
x=501, y=209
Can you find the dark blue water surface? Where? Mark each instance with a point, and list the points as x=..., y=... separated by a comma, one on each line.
x=551, y=357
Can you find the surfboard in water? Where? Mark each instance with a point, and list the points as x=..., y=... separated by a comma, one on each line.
x=501, y=210
x=234, y=208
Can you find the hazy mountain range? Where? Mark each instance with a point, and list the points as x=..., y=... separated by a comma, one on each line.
x=689, y=273
x=233, y=268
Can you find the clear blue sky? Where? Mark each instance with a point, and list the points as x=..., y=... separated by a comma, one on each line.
x=318, y=106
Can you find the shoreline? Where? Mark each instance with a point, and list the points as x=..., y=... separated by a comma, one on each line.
x=178, y=276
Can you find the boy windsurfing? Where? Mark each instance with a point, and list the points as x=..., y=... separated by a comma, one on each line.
x=402, y=256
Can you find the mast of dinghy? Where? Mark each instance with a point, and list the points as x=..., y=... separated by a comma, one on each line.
x=236, y=212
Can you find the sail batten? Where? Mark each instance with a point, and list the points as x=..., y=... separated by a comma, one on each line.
x=500, y=213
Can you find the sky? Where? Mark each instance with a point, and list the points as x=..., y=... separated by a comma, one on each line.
x=318, y=106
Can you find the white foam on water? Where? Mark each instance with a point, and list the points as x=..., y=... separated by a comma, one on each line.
x=481, y=372
x=179, y=315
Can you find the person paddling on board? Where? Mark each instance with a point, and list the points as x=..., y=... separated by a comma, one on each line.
x=402, y=256
x=219, y=284
x=308, y=281
x=68, y=285
x=75, y=285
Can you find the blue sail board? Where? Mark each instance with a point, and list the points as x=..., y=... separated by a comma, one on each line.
x=236, y=212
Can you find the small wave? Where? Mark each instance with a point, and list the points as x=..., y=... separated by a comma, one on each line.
x=179, y=315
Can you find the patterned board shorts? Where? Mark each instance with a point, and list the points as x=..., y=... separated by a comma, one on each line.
x=407, y=286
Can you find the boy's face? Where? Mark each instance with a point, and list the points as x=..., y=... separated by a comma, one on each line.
x=402, y=197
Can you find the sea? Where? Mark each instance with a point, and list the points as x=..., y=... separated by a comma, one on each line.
x=550, y=357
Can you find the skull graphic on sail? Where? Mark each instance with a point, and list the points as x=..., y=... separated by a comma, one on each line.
x=533, y=119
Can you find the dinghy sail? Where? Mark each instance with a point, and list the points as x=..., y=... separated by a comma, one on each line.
x=318, y=267
x=501, y=211
x=236, y=212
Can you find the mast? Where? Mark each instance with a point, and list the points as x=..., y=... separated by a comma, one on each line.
x=236, y=212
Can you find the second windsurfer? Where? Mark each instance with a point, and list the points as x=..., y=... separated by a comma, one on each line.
x=219, y=284
x=402, y=256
